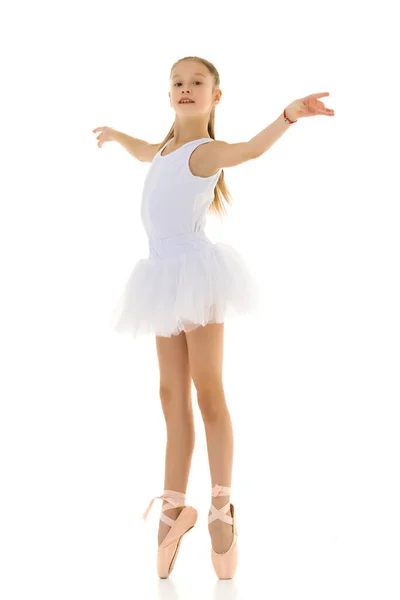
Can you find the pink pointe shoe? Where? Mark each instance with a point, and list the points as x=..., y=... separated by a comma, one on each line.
x=168, y=549
x=224, y=564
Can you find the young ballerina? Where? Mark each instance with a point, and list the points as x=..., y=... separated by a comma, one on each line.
x=183, y=292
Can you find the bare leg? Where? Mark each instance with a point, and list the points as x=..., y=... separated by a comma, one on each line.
x=205, y=345
x=218, y=428
x=178, y=456
x=176, y=403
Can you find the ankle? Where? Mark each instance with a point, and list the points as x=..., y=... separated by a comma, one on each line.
x=173, y=512
x=163, y=528
x=220, y=501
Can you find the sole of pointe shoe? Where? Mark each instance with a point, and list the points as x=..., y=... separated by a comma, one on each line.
x=175, y=555
x=190, y=515
x=172, y=563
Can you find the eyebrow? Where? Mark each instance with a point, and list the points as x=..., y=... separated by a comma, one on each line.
x=193, y=74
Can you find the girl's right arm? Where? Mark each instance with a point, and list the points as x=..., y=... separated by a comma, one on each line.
x=139, y=149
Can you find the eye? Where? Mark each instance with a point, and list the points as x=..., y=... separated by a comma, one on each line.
x=181, y=84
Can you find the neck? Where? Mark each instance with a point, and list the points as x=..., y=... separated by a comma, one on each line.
x=190, y=130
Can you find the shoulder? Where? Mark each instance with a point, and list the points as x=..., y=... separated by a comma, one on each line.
x=210, y=157
x=149, y=152
x=200, y=159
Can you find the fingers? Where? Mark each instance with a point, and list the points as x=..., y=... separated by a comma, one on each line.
x=324, y=110
x=99, y=136
x=328, y=111
x=320, y=95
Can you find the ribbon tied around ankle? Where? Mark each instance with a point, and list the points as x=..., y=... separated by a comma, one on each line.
x=173, y=498
x=220, y=490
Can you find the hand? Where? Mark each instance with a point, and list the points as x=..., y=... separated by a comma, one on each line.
x=106, y=135
x=309, y=106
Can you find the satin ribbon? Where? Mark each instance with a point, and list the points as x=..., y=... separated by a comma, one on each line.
x=174, y=498
x=220, y=490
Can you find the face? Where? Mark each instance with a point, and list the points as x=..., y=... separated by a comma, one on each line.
x=192, y=80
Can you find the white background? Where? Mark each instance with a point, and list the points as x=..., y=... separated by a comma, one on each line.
x=312, y=386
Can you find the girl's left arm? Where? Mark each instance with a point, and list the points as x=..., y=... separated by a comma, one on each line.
x=309, y=106
x=221, y=154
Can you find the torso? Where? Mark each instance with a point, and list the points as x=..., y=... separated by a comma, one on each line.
x=169, y=149
x=197, y=164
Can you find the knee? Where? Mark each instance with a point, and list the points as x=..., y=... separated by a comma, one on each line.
x=175, y=401
x=211, y=402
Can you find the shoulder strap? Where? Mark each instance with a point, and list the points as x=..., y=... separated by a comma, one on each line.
x=203, y=141
x=166, y=144
x=194, y=143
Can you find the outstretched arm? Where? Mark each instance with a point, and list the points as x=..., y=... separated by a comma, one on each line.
x=304, y=107
x=221, y=154
x=139, y=149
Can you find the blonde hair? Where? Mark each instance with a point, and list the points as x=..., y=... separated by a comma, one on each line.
x=217, y=207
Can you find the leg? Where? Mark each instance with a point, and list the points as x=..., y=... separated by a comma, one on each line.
x=176, y=402
x=205, y=345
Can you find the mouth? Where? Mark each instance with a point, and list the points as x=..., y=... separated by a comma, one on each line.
x=186, y=101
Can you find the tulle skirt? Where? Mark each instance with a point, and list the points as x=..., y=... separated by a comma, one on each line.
x=180, y=292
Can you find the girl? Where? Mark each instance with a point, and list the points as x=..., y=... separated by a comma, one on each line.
x=185, y=289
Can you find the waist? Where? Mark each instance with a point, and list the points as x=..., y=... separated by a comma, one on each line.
x=171, y=246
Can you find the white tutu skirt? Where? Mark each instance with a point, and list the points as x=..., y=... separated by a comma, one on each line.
x=165, y=296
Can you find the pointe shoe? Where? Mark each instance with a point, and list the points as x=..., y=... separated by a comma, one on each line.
x=224, y=564
x=168, y=549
